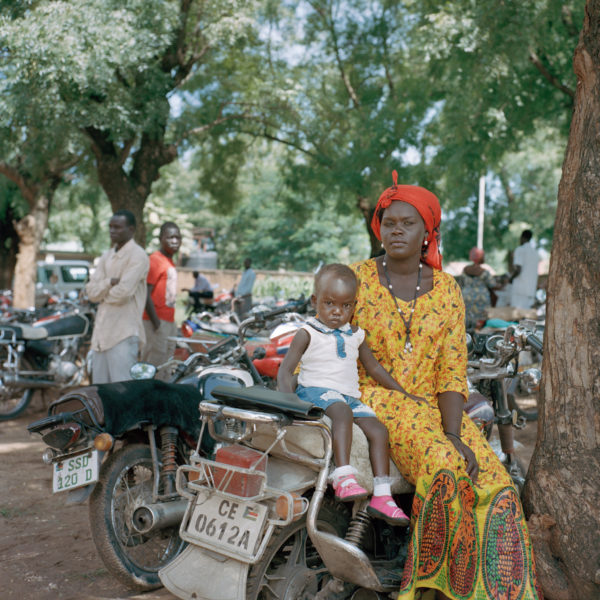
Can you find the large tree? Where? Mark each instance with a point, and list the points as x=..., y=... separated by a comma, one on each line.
x=502, y=79
x=562, y=494
x=119, y=73
x=440, y=91
x=348, y=101
x=112, y=79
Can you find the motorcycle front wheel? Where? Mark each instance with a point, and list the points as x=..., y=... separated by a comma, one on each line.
x=125, y=483
x=291, y=568
x=13, y=400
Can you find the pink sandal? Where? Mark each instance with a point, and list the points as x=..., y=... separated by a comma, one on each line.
x=347, y=488
x=384, y=507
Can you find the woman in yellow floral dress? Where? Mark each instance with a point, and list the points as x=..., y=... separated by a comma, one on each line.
x=469, y=538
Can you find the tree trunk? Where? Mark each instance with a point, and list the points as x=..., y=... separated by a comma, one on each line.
x=31, y=230
x=367, y=211
x=562, y=495
x=130, y=190
x=9, y=240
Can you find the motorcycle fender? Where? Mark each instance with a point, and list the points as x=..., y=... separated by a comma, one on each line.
x=79, y=495
x=189, y=576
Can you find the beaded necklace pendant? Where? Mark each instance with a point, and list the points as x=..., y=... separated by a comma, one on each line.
x=408, y=347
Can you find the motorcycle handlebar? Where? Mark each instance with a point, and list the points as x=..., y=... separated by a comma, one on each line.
x=535, y=342
x=263, y=316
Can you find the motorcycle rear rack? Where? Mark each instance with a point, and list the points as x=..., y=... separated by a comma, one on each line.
x=212, y=414
x=77, y=416
x=205, y=474
x=204, y=470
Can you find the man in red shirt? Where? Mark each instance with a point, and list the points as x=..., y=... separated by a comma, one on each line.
x=159, y=317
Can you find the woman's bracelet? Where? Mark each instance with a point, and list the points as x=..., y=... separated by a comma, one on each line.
x=453, y=435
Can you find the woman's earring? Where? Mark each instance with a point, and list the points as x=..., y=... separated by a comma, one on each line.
x=425, y=242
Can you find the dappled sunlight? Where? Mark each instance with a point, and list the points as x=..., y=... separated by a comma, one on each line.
x=16, y=446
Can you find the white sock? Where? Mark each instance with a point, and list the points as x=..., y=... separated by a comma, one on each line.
x=382, y=486
x=341, y=472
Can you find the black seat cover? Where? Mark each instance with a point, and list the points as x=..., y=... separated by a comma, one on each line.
x=72, y=325
x=258, y=397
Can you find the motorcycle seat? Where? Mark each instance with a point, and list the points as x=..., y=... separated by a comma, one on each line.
x=23, y=332
x=264, y=399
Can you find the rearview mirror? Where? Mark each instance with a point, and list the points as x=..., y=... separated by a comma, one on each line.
x=142, y=370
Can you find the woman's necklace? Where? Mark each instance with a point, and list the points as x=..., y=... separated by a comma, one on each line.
x=407, y=345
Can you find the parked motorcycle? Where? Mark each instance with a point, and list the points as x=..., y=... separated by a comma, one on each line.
x=49, y=351
x=120, y=444
x=493, y=371
x=260, y=511
x=267, y=354
x=217, y=304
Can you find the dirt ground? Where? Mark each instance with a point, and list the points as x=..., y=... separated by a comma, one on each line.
x=46, y=551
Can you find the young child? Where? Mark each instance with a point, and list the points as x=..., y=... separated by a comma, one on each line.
x=327, y=348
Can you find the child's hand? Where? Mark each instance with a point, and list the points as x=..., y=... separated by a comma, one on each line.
x=417, y=399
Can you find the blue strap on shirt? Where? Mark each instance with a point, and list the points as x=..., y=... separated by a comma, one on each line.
x=338, y=333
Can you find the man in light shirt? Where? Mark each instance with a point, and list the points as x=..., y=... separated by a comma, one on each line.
x=119, y=286
x=525, y=273
x=242, y=302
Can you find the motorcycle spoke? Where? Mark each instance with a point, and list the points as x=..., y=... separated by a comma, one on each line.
x=146, y=550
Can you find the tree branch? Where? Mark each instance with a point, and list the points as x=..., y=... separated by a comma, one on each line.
x=292, y=144
x=26, y=187
x=537, y=62
x=509, y=194
x=330, y=24
x=100, y=142
x=218, y=121
x=567, y=19
x=126, y=150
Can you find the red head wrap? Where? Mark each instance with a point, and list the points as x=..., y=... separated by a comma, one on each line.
x=428, y=207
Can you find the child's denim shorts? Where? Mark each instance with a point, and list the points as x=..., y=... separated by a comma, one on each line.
x=325, y=397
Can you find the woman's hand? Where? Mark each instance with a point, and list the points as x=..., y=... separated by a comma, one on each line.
x=468, y=455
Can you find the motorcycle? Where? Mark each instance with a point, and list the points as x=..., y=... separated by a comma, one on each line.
x=267, y=354
x=200, y=304
x=41, y=350
x=259, y=510
x=120, y=444
x=493, y=372
x=261, y=513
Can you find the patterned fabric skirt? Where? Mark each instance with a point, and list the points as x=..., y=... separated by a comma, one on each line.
x=469, y=540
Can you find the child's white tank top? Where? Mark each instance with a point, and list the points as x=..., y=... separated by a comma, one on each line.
x=320, y=365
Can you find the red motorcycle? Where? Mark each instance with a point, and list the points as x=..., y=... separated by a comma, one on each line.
x=268, y=357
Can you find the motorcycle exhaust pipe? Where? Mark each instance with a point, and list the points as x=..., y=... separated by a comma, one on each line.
x=21, y=382
x=148, y=517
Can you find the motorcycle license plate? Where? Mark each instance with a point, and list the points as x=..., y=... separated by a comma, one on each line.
x=75, y=471
x=225, y=524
